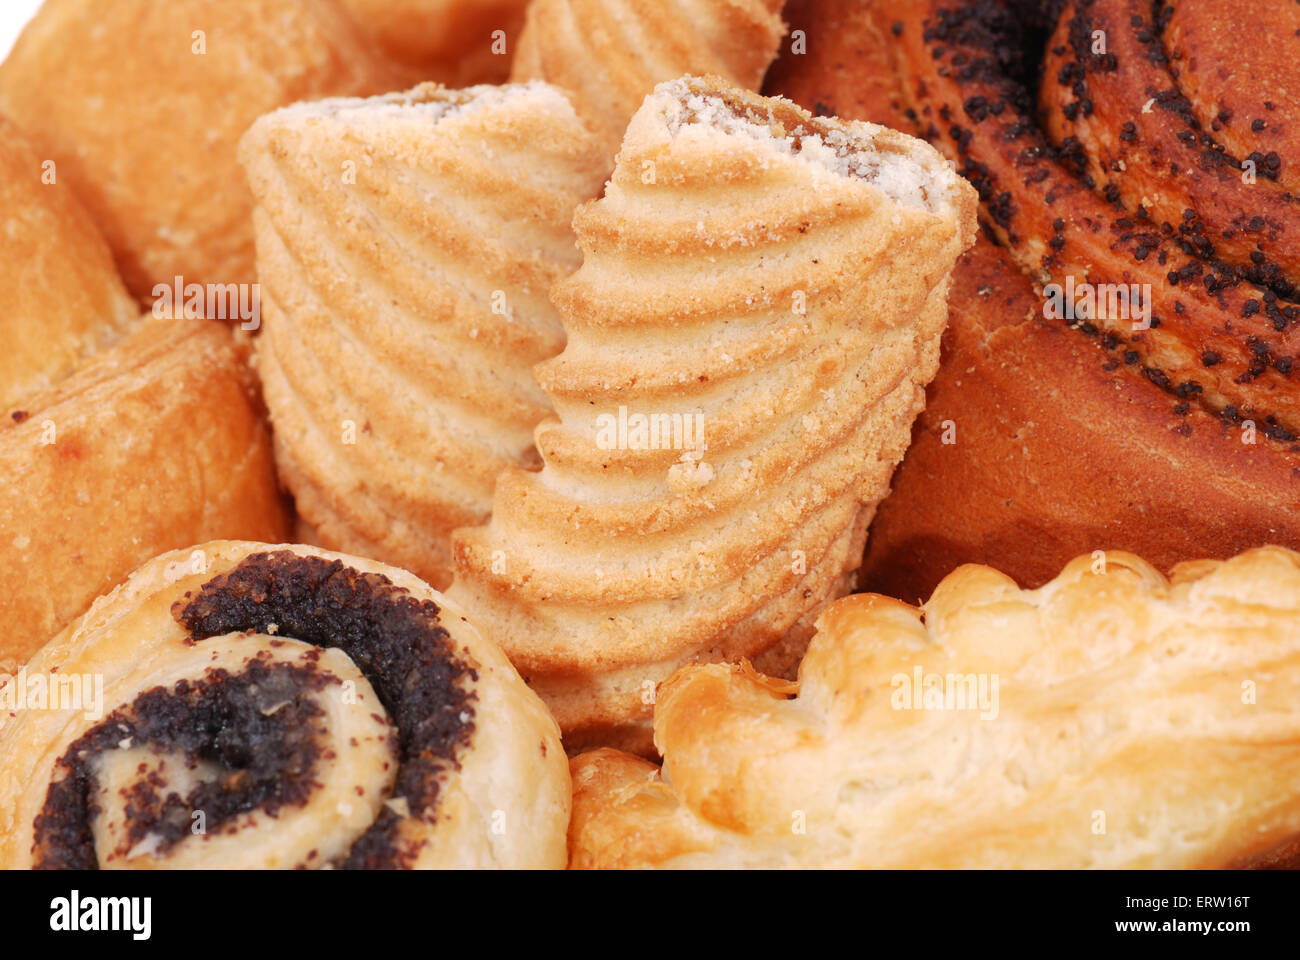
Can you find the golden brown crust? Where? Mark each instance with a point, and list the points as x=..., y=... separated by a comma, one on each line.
x=1111, y=719
x=63, y=297
x=492, y=790
x=609, y=54
x=155, y=444
x=1065, y=439
x=148, y=141
x=1040, y=443
x=455, y=42
x=845, y=68
x=792, y=324
x=405, y=301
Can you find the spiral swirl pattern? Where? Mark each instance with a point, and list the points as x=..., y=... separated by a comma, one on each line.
x=277, y=707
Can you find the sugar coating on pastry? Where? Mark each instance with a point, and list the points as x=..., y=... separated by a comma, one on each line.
x=609, y=54
x=1112, y=718
x=364, y=723
x=749, y=337
x=148, y=141
x=406, y=245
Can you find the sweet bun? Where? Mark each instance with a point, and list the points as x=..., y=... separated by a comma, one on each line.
x=147, y=141
x=406, y=244
x=762, y=292
x=1049, y=435
x=364, y=723
x=1113, y=719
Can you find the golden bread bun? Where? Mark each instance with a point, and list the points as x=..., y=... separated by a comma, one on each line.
x=141, y=105
x=63, y=297
x=365, y=723
x=154, y=444
x=1110, y=719
x=768, y=290
x=609, y=54
x=1046, y=437
x=406, y=245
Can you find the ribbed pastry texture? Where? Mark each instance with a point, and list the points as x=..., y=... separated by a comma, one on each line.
x=1110, y=719
x=775, y=281
x=609, y=54
x=239, y=705
x=406, y=245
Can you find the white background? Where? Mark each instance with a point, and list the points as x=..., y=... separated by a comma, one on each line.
x=13, y=15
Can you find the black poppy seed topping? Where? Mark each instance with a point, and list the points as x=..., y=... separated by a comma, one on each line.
x=395, y=640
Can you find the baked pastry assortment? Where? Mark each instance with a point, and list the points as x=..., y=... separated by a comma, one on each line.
x=1111, y=718
x=1118, y=165
x=406, y=246
x=637, y=426
x=749, y=336
x=247, y=705
x=608, y=54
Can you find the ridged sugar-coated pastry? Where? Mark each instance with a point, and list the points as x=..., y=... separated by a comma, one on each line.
x=750, y=334
x=406, y=246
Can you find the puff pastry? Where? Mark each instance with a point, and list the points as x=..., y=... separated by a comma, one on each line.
x=154, y=444
x=365, y=723
x=406, y=245
x=609, y=54
x=757, y=313
x=1112, y=718
x=148, y=141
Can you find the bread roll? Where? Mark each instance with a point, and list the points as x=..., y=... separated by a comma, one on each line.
x=141, y=104
x=406, y=245
x=758, y=310
x=363, y=723
x=1110, y=719
x=1046, y=436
